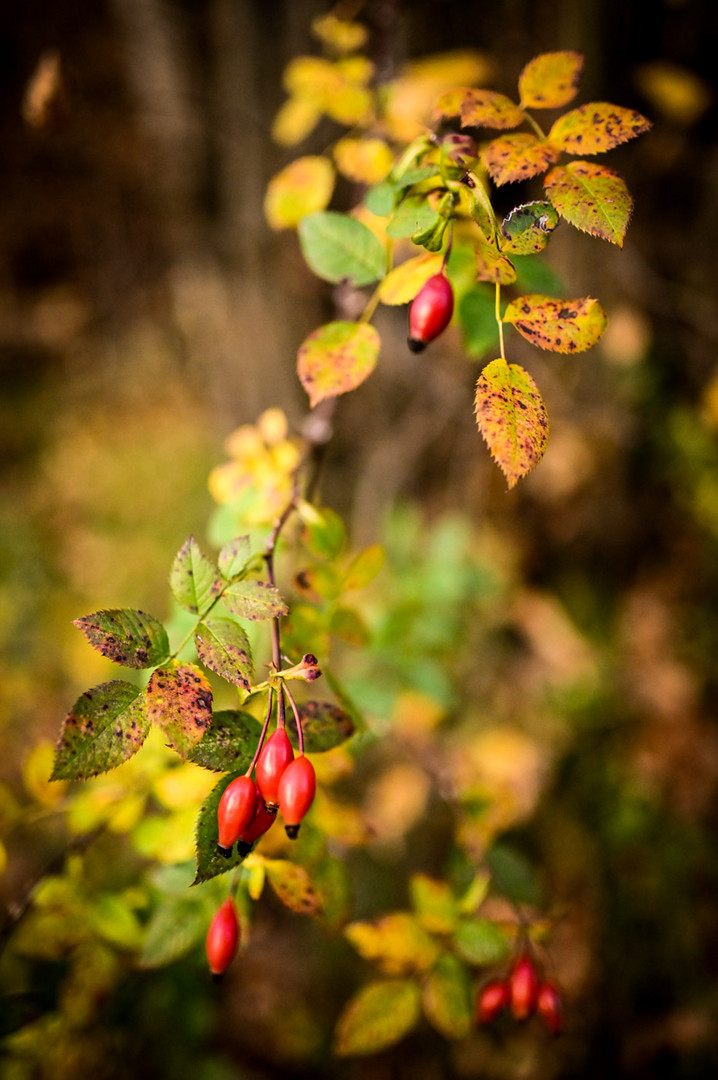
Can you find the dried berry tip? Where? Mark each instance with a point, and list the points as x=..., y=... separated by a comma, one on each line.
x=225, y=852
x=415, y=345
x=243, y=848
x=292, y=831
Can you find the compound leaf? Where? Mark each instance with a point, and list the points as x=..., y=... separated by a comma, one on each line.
x=105, y=727
x=126, y=636
x=511, y=417
x=336, y=358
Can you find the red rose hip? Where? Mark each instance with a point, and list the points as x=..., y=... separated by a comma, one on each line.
x=222, y=939
x=523, y=987
x=276, y=754
x=430, y=312
x=297, y=786
x=492, y=999
x=549, y=1006
x=235, y=812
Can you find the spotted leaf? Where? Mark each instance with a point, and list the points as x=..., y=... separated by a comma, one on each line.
x=511, y=417
x=229, y=743
x=487, y=108
x=595, y=128
x=377, y=1016
x=105, y=727
x=526, y=230
x=253, y=600
x=337, y=358
x=126, y=636
x=223, y=647
x=517, y=157
x=565, y=326
x=293, y=886
x=591, y=198
x=550, y=80
x=179, y=701
x=491, y=265
x=194, y=579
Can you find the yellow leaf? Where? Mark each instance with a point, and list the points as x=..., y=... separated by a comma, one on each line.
x=342, y=35
x=397, y=943
x=550, y=80
x=491, y=265
x=378, y=1016
x=303, y=187
x=596, y=127
x=411, y=97
x=337, y=358
x=294, y=120
x=365, y=161
x=403, y=282
x=487, y=108
x=677, y=92
x=517, y=157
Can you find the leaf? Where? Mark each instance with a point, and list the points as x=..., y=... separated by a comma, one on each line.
x=223, y=647
x=194, y=579
x=550, y=80
x=403, y=282
x=105, y=727
x=591, y=198
x=294, y=120
x=434, y=903
x=332, y=882
x=337, y=247
x=526, y=230
x=565, y=326
x=293, y=886
x=336, y=358
x=596, y=127
x=174, y=928
x=449, y=103
x=377, y=1016
x=511, y=418
x=365, y=567
x=517, y=157
x=126, y=636
x=396, y=942
x=491, y=265
x=178, y=700
x=487, y=108
x=254, y=600
x=446, y=997
x=380, y=199
x=302, y=188
x=234, y=557
x=480, y=942
x=415, y=214
x=324, y=530
x=478, y=321
x=324, y=725
x=229, y=743
x=365, y=161
x=208, y=861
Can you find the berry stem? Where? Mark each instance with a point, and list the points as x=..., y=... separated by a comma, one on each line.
x=298, y=722
x=263, y=732
x=499, y=321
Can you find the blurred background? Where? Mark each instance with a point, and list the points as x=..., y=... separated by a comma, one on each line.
x=146, y=310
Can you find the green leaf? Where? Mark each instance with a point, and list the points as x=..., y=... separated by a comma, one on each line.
x=178, y=700
x=234, y=557
x=337, y=247
x=550, y=80
x=194, y=579
x=223, y=646
x=324, y=725
x=378, y=1016
x=105, y=727
x=126, y=636
x=513, y=876
x=364, y=567
x=596, y=127
x=517, y=157
x=332, y=881
x=293, y=886
x=527, y=229
x=480, y=942
x=254, y=600
x=174, y=928
x=347, y=624
x=446, y=997
x=380, y=198
x=325, y=534
x=336, y=358
x=478, y=321
x=208, y=861
x=591, y=198
x=565, y=326
x=229, y=743
x=414, y=215
x=511, y=417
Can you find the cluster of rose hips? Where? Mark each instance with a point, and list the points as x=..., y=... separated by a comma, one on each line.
x=248, y=808
x=523, y=992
